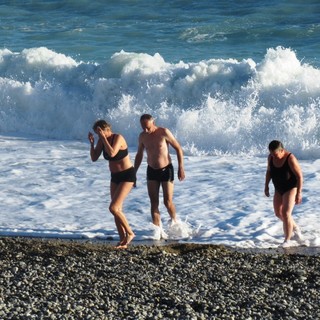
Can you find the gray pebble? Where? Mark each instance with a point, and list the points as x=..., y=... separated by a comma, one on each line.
x=49, y=279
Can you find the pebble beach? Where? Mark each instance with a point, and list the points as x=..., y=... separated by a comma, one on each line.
x=59, y=279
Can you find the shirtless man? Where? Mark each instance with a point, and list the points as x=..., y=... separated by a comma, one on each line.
x=156, y=141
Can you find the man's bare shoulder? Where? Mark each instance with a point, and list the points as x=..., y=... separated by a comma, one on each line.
x=163, y=131
x=141, y=134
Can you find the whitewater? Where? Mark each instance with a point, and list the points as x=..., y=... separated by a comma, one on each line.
x=224, y=112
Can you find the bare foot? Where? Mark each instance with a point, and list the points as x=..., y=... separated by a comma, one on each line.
x=130, y=237
x=122, y=242
x=122, y=246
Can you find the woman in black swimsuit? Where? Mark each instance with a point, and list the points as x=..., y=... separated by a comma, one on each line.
x=115, y=150
x=286, y=175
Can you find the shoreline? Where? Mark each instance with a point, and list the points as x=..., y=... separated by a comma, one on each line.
x=59, y=279
x=110, y=244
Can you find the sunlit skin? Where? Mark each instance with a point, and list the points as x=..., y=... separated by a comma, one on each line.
x=120, y=191
x=156, y=140
x=284, y=204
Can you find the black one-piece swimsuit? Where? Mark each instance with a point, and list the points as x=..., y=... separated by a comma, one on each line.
x=283, y=178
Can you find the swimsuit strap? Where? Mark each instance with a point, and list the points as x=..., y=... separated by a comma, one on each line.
x=287, y=159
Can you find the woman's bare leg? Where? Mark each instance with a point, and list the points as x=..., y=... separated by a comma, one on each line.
x=283, y=207
x=288, y=202
x=119, y=193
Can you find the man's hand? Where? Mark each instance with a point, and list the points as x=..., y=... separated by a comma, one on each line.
x=181, y=175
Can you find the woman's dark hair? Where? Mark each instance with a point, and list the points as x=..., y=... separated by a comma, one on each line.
x=275, y=144
x=102, y=124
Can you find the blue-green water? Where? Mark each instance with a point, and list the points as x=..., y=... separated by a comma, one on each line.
x=177, y=30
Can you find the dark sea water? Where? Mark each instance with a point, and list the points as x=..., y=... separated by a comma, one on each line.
x=177, y=30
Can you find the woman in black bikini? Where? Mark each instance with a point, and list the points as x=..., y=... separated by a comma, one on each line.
x=286, y=175
x=115, y=150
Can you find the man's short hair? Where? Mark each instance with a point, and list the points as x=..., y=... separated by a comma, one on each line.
x=146, y=116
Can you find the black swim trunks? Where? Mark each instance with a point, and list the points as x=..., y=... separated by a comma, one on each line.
x=128, y=175
x=163, y=174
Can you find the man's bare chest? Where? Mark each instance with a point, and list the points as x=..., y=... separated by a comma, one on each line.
x=155, y=143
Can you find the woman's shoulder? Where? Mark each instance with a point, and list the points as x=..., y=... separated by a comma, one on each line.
x=291, y=157
x=119, y=137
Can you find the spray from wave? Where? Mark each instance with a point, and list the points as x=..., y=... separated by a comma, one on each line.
x=214, y=106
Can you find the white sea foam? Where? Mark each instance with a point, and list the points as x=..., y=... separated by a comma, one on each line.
x=223, y=112
x=50, y=188
x=213, y=106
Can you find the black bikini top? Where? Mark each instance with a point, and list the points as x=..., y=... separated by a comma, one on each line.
x=119, y=156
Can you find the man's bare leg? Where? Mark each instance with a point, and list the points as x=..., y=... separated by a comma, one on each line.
x=167, y=188
x=153, y=191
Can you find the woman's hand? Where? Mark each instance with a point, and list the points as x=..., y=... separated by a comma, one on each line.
x=91, y=138
x=266, y=191
x=100, y=132
x=298, y=198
